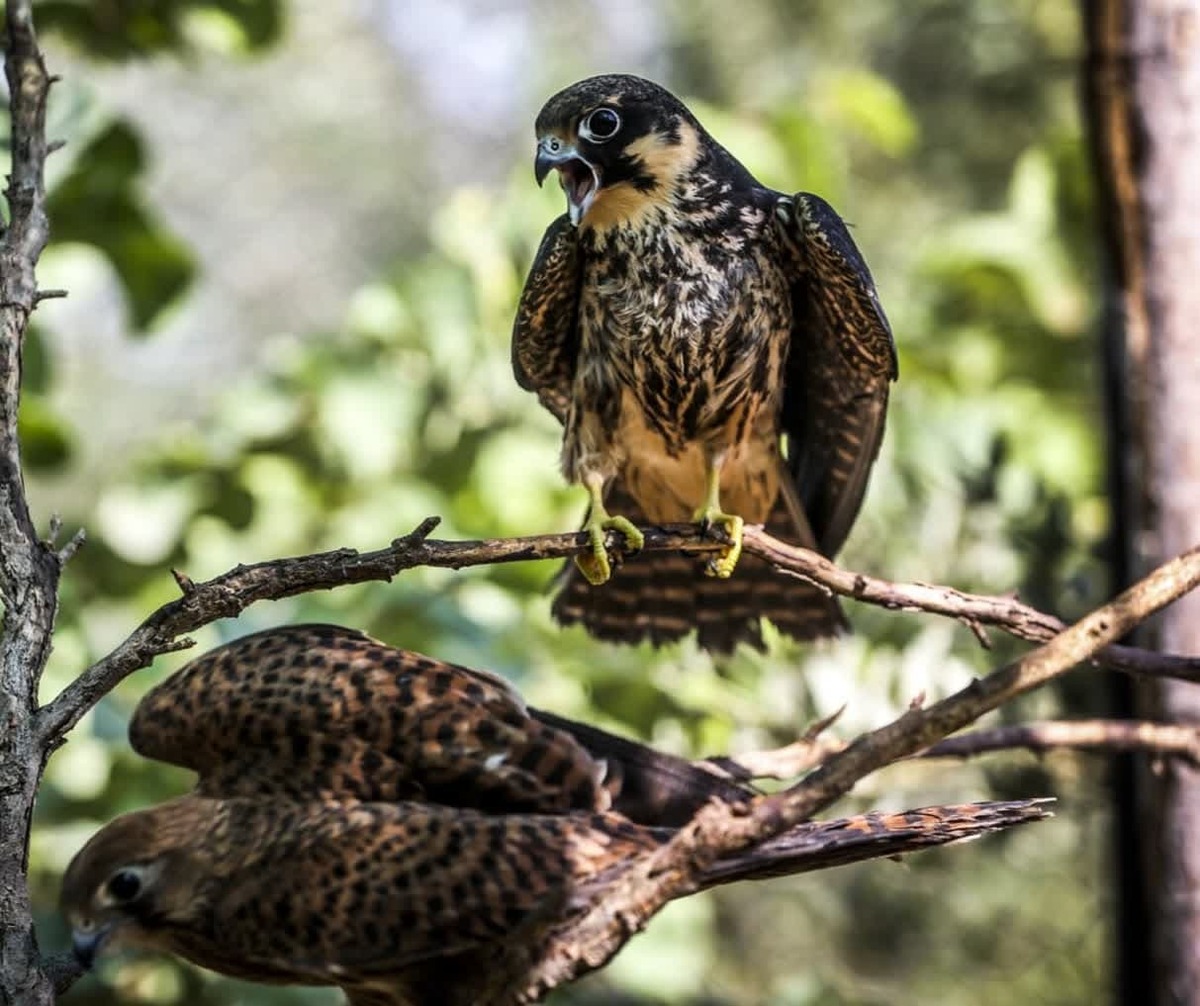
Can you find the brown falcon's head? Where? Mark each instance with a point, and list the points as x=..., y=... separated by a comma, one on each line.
x=135, y=879
x=619, y=143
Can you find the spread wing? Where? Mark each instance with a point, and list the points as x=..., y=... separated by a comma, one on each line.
x=841, y=362
x=545, y=332
x=318, y=711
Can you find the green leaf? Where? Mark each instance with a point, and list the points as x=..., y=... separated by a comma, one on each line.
x=98, y=204
x=875, y=109
x=45, y=441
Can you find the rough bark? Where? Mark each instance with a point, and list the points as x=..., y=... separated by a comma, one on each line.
x=1143, y=84
x=29, y=567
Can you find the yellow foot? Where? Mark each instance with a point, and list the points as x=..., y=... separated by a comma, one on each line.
x=595, y=565
x=723, y=561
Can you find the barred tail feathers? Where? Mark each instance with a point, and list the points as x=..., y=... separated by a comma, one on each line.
x=662, y=596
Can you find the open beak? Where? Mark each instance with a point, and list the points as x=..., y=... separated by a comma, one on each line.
x=579, y=178
x=87, y=945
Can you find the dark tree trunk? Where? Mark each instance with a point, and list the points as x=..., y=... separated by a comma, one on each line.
x=1143, y=87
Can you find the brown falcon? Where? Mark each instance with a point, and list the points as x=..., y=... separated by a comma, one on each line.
x=406, y=904
x=402, y=828
x=715, y=350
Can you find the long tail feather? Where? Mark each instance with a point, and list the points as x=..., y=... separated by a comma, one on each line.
x=822, y=844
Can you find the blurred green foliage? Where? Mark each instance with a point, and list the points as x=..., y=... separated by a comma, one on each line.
x=98, y=204
x=946, y=132
x=127, y=29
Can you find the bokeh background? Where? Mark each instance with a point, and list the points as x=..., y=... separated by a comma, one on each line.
x=294, y=232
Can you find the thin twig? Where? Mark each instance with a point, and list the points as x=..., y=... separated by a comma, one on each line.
x=1102, y=736
x=1105, y=736
x=787, y=762
x=919, y=728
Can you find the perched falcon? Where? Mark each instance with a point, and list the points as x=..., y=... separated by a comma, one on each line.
x=406, y=904
x=403, y=828
x=715, y=351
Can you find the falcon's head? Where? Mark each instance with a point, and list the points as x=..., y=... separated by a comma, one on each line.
x=619, y=143
x=135, y=879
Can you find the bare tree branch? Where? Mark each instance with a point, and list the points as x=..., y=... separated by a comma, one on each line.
x=720, y=829
x=975, y=610
x=231, y=593
x=1105, y=736
x=1102, y=736
x=819, y=845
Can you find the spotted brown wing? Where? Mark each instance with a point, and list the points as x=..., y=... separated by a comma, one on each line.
x=357, y=894
x=318, y=711
x=840, y=366
x=545, y=333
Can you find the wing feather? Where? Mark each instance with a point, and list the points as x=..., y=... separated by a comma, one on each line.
x=546, y=333
x=840, y=366
x=318, y=710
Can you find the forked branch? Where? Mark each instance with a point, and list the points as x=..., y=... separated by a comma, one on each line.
x=721, y=830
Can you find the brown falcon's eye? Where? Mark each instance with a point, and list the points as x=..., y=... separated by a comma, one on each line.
x=124, y=885
x=601, y=125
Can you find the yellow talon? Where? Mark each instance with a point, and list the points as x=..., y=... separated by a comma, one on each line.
x=723, y=561
x=595, y=565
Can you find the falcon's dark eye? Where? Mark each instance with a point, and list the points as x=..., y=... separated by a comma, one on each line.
x=601, y=125
x=124, y=885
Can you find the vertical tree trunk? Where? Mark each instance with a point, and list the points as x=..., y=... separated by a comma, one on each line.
x=29, y=568
x=1143, y=85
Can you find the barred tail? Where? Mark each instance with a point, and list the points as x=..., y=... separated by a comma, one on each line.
x=823, y=844
x=662, y=596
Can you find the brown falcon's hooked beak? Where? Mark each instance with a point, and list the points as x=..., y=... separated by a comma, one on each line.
x=579, y=178
x=86, y=944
